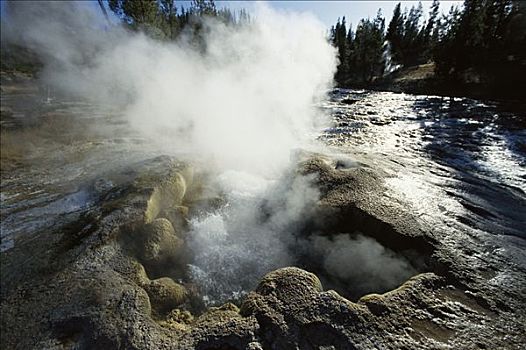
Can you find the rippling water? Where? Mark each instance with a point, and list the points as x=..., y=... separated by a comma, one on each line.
x=455, y=159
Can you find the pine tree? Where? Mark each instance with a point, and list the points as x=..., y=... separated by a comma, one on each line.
x=203, y=8
x=412, y=38
x=136, y=13
x=367, y=52
x=161, y=18
x=443, y=55
x=169, y=14
x=395, y=33
x=341, y=43
x=430, y=37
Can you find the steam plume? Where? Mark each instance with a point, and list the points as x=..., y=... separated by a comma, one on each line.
x=245, y=102
x=243, y=105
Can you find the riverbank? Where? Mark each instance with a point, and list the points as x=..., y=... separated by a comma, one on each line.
x=422, y=80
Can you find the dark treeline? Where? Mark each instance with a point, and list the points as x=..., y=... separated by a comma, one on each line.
x=159, y=19
x=482, y=42
x=162, y=19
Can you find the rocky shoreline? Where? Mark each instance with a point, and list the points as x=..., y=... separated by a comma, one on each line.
x=115, y=277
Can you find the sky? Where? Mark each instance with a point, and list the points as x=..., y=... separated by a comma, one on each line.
x=328, y=12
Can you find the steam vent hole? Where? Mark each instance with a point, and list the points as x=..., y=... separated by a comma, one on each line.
x=360, y=254
x=354, y=253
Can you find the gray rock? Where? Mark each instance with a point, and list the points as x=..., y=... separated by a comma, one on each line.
x=89, y=285
x=159, y=243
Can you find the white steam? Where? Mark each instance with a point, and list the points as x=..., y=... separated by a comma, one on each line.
x=243, y=105
x=252, y=235
x=245, y=102
x=361, y=263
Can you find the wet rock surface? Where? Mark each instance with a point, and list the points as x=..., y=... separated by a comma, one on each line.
x=88, y=288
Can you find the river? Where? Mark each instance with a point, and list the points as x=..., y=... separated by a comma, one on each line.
x=458, y=161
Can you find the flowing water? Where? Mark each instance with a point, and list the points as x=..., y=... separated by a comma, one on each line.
x=455, y=159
